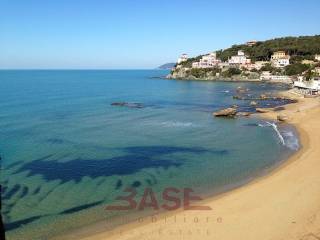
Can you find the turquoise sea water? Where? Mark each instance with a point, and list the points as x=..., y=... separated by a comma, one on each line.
x=67, y=153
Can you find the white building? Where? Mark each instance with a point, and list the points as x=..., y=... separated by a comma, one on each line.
x=182, y=58
x=280, y=59
x=239, y=59
x=317, y=57
x=308, y=87
x=267, y=76
x=207, y=61
x=251, y=43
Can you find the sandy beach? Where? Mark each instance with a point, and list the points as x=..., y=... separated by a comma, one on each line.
x=285, y=204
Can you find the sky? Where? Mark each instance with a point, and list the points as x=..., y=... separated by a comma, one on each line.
x=139, y=34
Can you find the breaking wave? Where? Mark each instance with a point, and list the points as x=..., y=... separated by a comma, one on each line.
x=177, y=124
x=286, y=136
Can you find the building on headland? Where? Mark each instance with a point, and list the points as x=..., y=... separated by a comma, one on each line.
x=280, y=59
x=183, y=58
x=239, y=59
x=251, y=43
x=207, y=61
x=311, y=87
x=317, y=57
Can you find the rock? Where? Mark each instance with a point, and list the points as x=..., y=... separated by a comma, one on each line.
x=234, y=106
x=118, y=104
x=282, y=118
x=127, y=104
x=228, y=112
x=243, y=114
x=238, y=97
x=280, y=108
x=253, y=103
x=262, y=110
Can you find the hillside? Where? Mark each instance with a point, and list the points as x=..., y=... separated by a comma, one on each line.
x=300, y=51
x=167, y=66
x=304, y=47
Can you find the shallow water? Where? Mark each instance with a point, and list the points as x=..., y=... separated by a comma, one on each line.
x=67, y=153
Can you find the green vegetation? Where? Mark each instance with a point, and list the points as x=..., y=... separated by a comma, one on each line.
x=296, y=68
x=304, y=47
x=299, y=48
x=230, y=72
x=203, y=72
x=188, y=63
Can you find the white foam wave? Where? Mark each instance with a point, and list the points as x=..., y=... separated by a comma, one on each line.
x=286, y=138
x=177, y=124
x=275, y=127
x=292, y=140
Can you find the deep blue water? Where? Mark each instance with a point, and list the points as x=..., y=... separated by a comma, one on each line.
x=67, y=152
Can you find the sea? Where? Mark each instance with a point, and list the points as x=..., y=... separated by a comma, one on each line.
x=73, y=141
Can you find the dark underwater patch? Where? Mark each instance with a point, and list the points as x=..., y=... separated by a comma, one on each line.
x=160, y=150
x=11, y=165
x=76, y=169
x=17, y=224
x=24, y=192
x=82, y=207
x=36, y=191
x=138, y=158
x=11, y=192
x=55, y=140
x=136, y=184
x=119, y=184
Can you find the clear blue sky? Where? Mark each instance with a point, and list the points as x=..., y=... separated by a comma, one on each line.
x=139, y=33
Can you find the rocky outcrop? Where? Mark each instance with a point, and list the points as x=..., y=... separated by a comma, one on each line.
x=227, y=112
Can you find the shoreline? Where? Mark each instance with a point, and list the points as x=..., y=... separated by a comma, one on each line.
x=231, y=80
x=245, y=208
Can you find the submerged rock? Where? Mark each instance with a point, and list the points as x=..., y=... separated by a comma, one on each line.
x=228, y=112
x=127, y=104
x=118, y=104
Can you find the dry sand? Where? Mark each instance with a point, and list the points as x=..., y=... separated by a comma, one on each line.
x=283, y=205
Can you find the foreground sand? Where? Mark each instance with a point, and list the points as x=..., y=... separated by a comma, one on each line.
x=283, y=205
